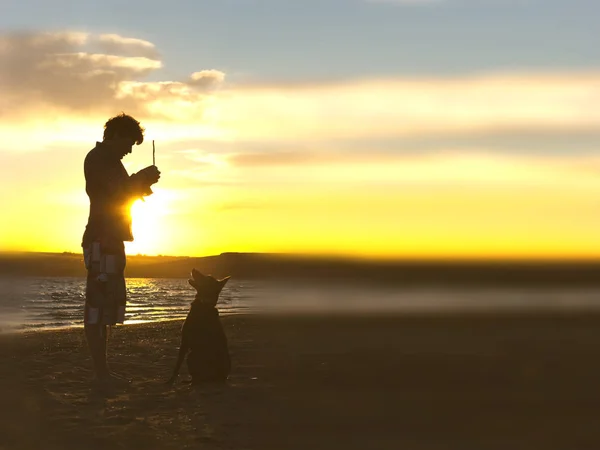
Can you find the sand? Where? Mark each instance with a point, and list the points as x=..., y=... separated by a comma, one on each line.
x=525, y=381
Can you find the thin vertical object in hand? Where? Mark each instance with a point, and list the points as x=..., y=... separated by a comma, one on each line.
x=153, y=153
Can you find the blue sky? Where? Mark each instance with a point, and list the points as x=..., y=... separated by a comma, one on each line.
x=284, y=40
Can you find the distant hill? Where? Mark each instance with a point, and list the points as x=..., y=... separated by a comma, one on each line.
x=262, y=265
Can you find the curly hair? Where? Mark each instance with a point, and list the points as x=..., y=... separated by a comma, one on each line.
x=124, y=125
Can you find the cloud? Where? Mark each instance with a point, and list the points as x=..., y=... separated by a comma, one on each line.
x=409, y=107
x=452, y=167
x=276, y=158
x=115, y=44
x=74, y=76
x=206, y=78
x=95, y=74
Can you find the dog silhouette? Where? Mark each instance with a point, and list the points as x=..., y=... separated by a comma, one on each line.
x=203, y=340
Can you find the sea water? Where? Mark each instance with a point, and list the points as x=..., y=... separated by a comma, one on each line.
x=57, y=302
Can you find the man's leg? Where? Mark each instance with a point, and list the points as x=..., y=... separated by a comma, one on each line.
x=97, y=337
x=106, y=297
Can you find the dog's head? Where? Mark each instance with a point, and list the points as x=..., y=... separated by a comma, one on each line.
x=207, y=287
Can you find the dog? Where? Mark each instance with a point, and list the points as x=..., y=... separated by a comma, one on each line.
x=202, y=334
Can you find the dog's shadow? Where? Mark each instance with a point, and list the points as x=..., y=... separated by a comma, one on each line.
x=204, y=385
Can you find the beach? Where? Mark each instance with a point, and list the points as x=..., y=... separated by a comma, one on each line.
x=413, y=381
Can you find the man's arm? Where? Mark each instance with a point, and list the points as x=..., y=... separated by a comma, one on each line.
x=102, y=180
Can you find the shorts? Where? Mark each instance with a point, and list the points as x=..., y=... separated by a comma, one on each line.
x=105, y=292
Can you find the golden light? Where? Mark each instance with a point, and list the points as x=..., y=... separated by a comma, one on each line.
x=148, y=224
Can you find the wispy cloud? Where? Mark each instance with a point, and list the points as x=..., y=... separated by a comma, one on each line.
x=119, y=45
x=405, y=107
x=279, y=124
x=59, y=71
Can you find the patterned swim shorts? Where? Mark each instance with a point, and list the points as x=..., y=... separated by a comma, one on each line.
x=105, y=292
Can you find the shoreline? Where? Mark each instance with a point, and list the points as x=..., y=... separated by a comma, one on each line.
x=483, y=313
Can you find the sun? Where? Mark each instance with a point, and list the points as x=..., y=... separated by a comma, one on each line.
x=147, y=225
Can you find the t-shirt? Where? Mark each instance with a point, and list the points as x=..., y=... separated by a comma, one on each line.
x=112, y=192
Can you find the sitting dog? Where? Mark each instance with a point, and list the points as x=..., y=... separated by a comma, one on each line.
x=202, y=334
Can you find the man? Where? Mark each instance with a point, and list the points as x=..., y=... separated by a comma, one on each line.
x=112, y=192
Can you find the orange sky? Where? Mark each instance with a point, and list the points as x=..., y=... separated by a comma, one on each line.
x=492, y=165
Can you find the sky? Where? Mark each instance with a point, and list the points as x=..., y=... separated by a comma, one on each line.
x=370, y=128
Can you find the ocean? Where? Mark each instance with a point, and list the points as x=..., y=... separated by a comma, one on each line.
x=37, y=303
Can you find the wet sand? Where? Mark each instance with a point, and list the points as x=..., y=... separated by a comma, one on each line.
x=527, y=381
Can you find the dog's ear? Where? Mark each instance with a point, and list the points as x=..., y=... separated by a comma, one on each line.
x=196, y=275
x=223, y=282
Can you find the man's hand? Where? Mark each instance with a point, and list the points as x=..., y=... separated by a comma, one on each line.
x=151, y=174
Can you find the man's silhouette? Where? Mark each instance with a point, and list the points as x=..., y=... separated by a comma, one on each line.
x=112, y=192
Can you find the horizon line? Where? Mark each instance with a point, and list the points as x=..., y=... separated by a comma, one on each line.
x=366, y=258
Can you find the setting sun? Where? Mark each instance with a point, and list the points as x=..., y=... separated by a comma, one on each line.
x=148, y=224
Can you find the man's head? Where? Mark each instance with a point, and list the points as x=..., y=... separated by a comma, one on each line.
x=122, y=132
